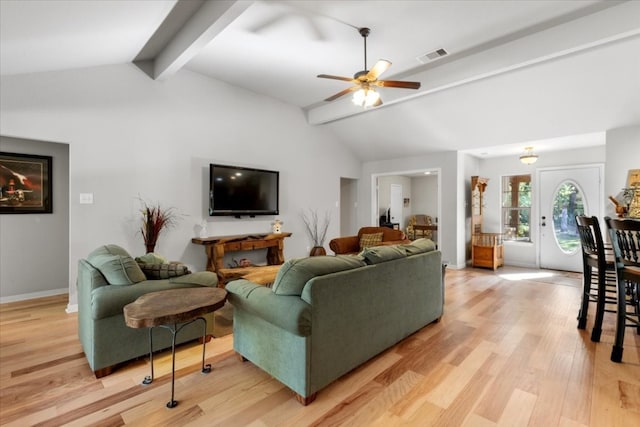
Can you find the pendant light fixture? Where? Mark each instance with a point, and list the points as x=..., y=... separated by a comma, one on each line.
x=529, y=158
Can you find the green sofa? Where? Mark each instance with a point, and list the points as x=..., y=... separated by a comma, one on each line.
x=108, y=280
x=326, y=315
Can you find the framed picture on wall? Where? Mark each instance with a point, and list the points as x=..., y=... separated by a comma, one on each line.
x=25, y=183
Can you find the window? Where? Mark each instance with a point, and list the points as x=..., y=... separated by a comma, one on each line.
x=567, y=203
x=516, y=207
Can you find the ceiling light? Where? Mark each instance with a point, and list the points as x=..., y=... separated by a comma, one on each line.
x=365, y=97
x=528, y=158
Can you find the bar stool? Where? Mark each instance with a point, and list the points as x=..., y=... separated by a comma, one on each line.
x=625, y=239
x=601, y=286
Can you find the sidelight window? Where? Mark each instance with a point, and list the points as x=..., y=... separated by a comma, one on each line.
x=516, y=207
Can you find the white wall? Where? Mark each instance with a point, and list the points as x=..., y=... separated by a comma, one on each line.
x=424, y=196
x=131, y=137
x=34, y=248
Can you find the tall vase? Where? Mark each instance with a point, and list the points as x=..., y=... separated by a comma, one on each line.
x=150, y=247
x=317, y=250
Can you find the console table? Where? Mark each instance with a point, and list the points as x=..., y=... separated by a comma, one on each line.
x=217, y=246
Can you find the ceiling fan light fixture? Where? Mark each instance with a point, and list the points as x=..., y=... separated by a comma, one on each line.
x=365, y=97
x=364, y=94
x=529, y=158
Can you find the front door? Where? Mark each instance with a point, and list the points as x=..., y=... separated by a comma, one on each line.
x=565, y=193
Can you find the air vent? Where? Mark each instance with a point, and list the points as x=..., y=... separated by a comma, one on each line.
x=427, y=57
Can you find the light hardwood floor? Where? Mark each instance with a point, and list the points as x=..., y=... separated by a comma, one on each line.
x=506, y=353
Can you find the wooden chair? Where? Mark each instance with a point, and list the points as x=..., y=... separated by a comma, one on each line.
x=625, y=239
x=599, y=276
x=419, y=220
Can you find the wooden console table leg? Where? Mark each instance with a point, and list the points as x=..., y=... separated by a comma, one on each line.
x=275, y=254
x=211, y=258
x=218, y=257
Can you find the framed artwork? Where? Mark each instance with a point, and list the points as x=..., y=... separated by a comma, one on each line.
x=25, y=183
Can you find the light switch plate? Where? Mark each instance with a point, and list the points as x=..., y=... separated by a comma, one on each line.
x=86, y=198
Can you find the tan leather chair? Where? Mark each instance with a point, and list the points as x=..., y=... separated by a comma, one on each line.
x=420, y=220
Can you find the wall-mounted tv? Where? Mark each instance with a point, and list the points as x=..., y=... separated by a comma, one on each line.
x=239, y=191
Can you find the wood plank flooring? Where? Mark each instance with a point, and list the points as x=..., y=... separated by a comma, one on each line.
x=506, y=353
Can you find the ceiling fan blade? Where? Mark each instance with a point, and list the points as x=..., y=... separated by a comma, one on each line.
x=380, y=67
x=397, y=83
x=328, y=76
x=342, y=93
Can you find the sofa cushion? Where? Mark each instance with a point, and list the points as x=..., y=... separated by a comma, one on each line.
x=295, y=273
x=373, y=239
x=378, y=254
x=163, y=271
x=419, y=246
x=107, y=250
x=118, y=269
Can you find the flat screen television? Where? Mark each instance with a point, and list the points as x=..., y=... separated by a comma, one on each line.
x=239, y=191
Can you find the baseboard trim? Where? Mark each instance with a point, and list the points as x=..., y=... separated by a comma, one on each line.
x=34, y=295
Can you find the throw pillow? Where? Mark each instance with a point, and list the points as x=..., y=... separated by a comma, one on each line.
x=152, y=258
x=118, y=269
x=368, y=240
x=295, y=273
x=110, y=249
x=163, y=271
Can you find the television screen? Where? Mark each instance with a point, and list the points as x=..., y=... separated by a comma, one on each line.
x=237, y=191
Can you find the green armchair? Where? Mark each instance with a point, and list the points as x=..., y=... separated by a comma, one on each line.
x=108, y=280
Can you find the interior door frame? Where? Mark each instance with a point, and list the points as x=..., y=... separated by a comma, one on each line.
x=537, y=208
x=374, y=192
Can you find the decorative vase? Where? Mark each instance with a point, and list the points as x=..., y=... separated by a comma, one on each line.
x=150, y=247
x=317, y=250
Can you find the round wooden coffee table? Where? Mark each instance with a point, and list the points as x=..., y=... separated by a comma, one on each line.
x=173, y=309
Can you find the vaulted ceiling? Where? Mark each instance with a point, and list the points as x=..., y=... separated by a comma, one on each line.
x=553, y=74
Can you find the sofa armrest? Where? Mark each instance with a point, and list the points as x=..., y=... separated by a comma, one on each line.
x=288, y=312
x=345, y=245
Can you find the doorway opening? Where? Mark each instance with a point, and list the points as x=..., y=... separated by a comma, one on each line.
x=348, y=206
x=421, y=190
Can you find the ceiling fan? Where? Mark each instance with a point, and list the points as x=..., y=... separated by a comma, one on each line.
x=365, y=81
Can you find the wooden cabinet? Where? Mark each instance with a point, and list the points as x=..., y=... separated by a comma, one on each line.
x=487, y=249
